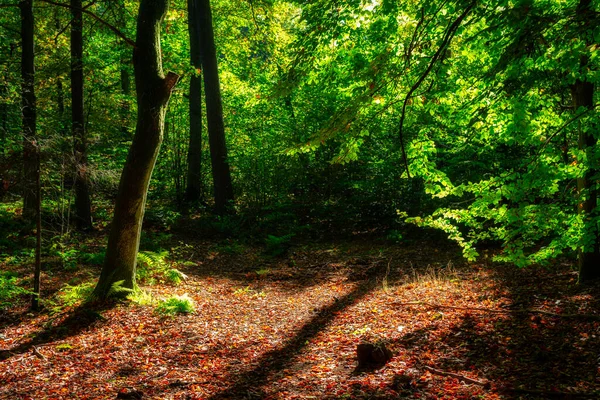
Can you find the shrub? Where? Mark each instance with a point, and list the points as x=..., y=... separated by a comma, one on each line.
x=10, y=289
x=176, y=305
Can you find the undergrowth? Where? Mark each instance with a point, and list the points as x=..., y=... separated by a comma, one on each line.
x=176, y=305
x=153, y=267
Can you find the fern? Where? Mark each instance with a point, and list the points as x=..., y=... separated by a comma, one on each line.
x=176, y=305
x=154, y=266
x=141, y=297
x=73, y=295
x=117, y=290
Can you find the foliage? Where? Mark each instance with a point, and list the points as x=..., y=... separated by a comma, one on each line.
x=154, y=267
x=176, y=305
x=118, y=291
x=69, y=296
x=11, y=288
x=277, y=245
x=141, y=297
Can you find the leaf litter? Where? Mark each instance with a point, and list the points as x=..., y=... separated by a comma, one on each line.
x=288, y=327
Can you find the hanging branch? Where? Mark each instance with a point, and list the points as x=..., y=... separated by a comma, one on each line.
x=449, y=35
x=113, y=28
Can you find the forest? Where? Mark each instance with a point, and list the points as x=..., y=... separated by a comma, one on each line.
x=299, y=199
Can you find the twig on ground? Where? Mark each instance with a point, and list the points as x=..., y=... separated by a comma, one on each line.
x=496, y=311
x=458, y=376
x=552, y=393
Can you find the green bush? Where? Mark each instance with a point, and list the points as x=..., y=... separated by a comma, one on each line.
x=176, y=305
x=77, y=294
x=277, y=245
x=154, y=267
x=10, y=288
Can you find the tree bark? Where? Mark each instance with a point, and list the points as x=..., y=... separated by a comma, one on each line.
x=582, y=93
x=3, y=111
x=83, y=205
x=125, y=90
x=37, y=272
x=193, y=191
x=153, y=91
x=29, y=112
x=223, y=187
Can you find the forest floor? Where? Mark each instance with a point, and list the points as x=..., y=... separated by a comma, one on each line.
x=287, y=327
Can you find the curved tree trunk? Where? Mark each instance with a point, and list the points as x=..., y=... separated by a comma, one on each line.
x=153, y=91
x=83, y=205
x=214, y=111
x=28, y=102
x=193, y=191
x=583, y=98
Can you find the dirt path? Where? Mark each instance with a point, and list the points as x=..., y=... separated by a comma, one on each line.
x=287, y=328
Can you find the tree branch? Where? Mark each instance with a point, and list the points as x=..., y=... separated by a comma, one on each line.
x=442, y=47
x=114, y=29
x=458, y=376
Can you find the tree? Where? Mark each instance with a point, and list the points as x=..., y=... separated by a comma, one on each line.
x=193, y=190
x=223, y=188
x=31, y=157
x=582, y=92
x=29, y=112
x=153, y=91
x=83, y=206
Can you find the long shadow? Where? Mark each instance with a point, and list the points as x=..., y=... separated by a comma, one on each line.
x=302, y=268
x=251, y=383
x=528, y=354
x=75, y=322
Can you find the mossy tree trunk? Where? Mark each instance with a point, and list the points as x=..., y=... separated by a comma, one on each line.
x=153, y=91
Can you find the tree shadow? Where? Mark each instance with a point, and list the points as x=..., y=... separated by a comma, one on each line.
x=306, y=266
x=522, y=352
x=250, y=384
x=70, y=324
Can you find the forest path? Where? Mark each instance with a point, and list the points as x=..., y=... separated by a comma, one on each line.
x=287, y=327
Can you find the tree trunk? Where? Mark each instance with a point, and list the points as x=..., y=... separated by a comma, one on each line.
x=83, y=205
x=28, y=103
x=193, y=191
x=3, y=111
x=583, y=99
x=153, y=91
x=214, y=111
x=125, y=90
x=37, y=272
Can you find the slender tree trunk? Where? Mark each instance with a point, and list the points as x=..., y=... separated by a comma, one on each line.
x=193, y=191
x=125, y=90
x=3, y=111
x=214, y=111
x=37, y=272
x=153, y=93
x=83, y=205
x=28, y=104
x=583, y=98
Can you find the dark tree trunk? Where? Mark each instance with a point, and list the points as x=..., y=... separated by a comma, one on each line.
x=125, y=90
x=28, y=104
x=83, y=206
x=214, y=111
x=193, y=191
x=37, y=272
x=153, y=93
x=3, y=111
x=583, y=99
